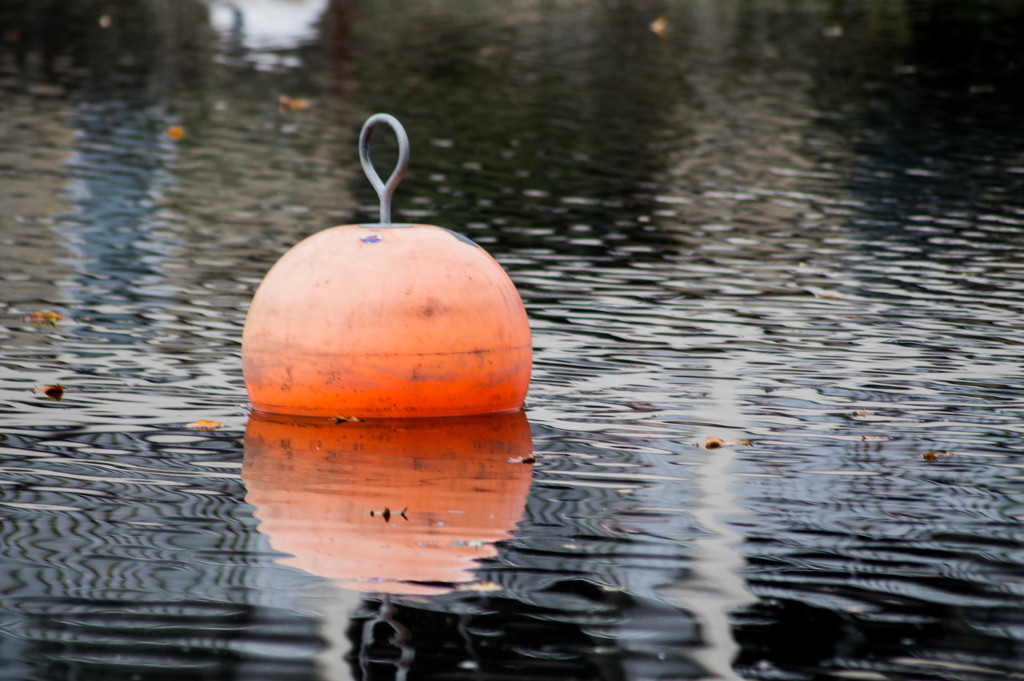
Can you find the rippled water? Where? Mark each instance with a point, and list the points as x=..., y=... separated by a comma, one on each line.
x=795, y=227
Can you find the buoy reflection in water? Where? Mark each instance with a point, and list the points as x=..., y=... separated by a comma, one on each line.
x=392, y=505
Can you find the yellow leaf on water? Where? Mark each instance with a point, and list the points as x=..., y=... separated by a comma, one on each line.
x=204, y=424
x=659, y=26
x=44, y=317
x=480, y=587
x=175, y=132
x=293, y=103
x=712, y=442
x=934, y=456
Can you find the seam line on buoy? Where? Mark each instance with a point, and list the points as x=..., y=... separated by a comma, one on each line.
x=425, y=354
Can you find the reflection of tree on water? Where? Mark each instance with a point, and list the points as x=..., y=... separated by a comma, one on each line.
x=940, y=140
x=876, y=577
x=562, y=95
x=117, y=161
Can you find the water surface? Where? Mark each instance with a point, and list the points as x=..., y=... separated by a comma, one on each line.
x=793, y=227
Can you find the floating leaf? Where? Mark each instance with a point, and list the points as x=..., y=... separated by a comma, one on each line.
x=44, y=317
x=860, y=413
x=659, y=26
x=176, y=133
x=529, y=458
x=712, y=442
x=934, y=456
x=345, y=419
x=54, y=392
x=293, y=103
x=204, y=424
x=480, y=587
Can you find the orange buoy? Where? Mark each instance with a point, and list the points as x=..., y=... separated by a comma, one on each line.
x=386, y=320
x=402, y=506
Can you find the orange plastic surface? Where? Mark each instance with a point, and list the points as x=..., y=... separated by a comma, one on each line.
x=320, y=490
x=399, y=321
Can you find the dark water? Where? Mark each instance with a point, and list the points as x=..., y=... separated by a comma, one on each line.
x=794, y=226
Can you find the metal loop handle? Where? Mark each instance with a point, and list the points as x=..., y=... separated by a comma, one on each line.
x=385, y=190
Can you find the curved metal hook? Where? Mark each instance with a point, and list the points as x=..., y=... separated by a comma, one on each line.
x=385, y=190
